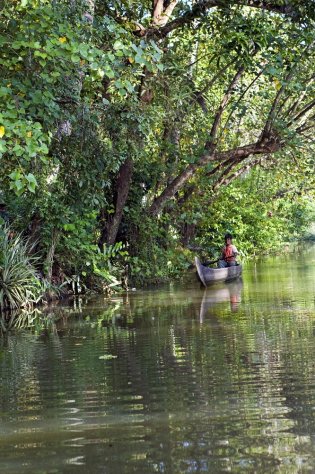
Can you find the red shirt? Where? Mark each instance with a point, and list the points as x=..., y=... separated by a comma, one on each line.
x=229, y=252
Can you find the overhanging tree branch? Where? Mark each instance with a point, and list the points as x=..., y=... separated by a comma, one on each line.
x=225, y=179
x=307, y=108
x=292, y=109
x=242, y=96
x=238, y=154
x=202, y=7
x=211, y=142
x=275, y=107
x=162, y=12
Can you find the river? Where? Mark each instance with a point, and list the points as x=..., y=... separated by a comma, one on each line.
x=173, y=379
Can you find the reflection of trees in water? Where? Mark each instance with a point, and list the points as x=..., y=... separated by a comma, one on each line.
x=17, y=320
x=250, y=363
x=37, y=318
x=232, y=388
x=238, y=358
x=283, y=281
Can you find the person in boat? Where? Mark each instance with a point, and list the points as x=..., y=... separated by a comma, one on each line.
x=228, y=253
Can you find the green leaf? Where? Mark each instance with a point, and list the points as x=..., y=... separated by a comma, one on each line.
x=31, y=179
x=31, y=187
x=69, y=227
x=15, y=175
x=139, y=59
x=118, y=45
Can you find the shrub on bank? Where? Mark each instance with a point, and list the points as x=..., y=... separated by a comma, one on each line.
x=20, y=285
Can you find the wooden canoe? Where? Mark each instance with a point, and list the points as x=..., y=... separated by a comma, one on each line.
x=212, y=275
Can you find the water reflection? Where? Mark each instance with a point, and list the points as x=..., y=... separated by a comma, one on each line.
x=217, y=294
x=174, y=381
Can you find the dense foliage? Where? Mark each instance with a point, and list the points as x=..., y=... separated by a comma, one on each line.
x=129, y=132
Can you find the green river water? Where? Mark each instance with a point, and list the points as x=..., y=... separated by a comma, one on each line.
x=173, y=379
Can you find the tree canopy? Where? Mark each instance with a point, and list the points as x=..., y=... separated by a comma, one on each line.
x=137, y=122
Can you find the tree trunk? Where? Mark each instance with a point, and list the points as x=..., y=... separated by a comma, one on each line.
x=171, y=189
x=110, y=229
x=51, y=254
x=33, y=232
x=187, y=232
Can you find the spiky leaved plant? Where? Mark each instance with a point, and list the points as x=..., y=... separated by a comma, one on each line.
x=19, y=284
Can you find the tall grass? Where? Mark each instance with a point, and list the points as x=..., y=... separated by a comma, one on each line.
x=19, y=283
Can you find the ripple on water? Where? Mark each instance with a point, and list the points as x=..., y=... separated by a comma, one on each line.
x=170, y=385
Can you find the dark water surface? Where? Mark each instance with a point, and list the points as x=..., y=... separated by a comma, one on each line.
x=171, y=380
